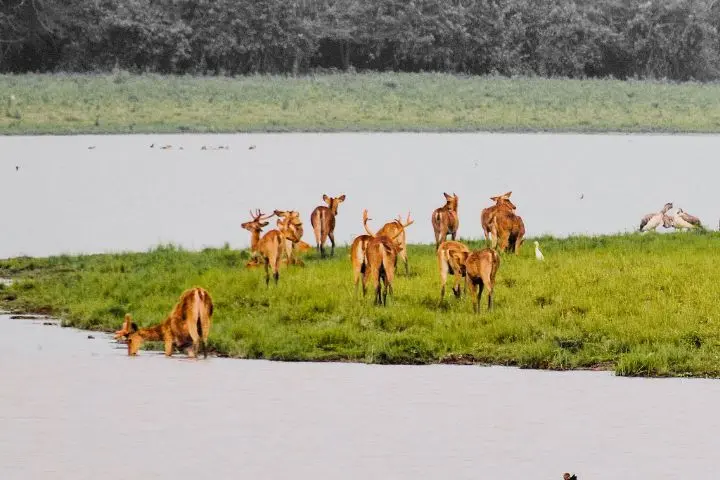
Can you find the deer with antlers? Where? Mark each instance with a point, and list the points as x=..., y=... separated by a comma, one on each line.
x=291, y=228
x=187, y=326
x=445, y=219
x=481, y=266
x=395, y=230
x=451, y=257
x=501, y=201
x=323, y=223
x=269, y=248
x=381, y=252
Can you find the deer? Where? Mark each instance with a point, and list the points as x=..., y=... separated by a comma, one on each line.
x=269, y=248
x=380, y=259
x=357, y=251
x=445, y=219
x=451, y=257
x=487, y=213
x=395, y=230
x=323, y=223
x=480, y=269
x=188, y=325
x=507, y=228
x=291, y=228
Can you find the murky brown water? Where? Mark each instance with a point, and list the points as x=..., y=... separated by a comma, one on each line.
x=123, y=195
x=78, y=408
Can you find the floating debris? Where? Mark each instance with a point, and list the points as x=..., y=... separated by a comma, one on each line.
x=91, y=147
x=91, y=337
x=251, y=147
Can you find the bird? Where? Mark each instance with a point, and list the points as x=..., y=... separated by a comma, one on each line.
x=691, y=219
x=91, y=147
x=152, y=145
x=653, y=220
x=17, y=167
x=538, y=253
x=582, y=195
x=567, y=476
x=251, y=147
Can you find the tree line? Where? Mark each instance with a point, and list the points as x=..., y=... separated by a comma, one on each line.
x=673, y=39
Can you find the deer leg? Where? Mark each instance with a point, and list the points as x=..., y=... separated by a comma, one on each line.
x=479, y=295
x=443, y=278
x=331, y=236
x=456, y=287
x=404, y=256
x=267, y=272
x=490, y=297
x=168, y=347
x=195, y=337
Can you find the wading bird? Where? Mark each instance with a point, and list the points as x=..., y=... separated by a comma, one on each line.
x=653, y=220
x=538, y=253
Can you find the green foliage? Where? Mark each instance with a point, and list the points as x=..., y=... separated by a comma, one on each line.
x=128, y=103
x=659, y=39
x=641, y=304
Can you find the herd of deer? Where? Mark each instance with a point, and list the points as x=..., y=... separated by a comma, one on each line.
x=373, y=257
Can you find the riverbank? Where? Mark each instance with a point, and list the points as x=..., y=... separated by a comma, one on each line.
x=125, y=103
x=636, y=304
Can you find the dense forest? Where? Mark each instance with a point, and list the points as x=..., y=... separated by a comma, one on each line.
x=673, y=39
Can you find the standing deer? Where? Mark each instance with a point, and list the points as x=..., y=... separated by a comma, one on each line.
x=357, y=252
x=508, y=229
x=291, y=228
x=188, y=325
x=381, y=259
x=445, y=219
x=323, y=223
x=487, y=213
x=269, y=247
x=395, y=230
x=480, y=269
x=451, y=257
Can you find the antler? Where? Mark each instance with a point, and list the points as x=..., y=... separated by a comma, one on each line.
x=258, y=215
x=365, y=220
x=408, y=222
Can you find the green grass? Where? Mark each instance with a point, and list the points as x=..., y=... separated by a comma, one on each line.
x=124, y=103
x=638, y=304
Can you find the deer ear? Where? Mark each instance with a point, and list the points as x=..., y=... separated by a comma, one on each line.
x=326, y=199
x=264, y=224
x=507, y=194
x=446, y=195
x=494, y=199
x=342, y=197
x=279, y=213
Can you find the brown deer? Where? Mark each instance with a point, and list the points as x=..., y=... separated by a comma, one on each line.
x=269, y=248
x=480, y=269
x=451, y=257
x=487, y=213
x=323, y=223
x=395, y=230
x=381, y=259
x=508, y=229
x=291, y=228
x=188, y=325
x=445, y=219
x=357, y=252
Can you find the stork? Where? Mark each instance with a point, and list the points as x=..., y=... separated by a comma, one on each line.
x=653, y=220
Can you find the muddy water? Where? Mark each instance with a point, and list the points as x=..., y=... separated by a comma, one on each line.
x=124, y=195
x=74, y=407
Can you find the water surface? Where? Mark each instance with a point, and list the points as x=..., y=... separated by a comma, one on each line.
x=124, y=195
x=74, y=407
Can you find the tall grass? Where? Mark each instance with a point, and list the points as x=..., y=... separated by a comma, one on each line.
x=641, y=304
x=124, y=103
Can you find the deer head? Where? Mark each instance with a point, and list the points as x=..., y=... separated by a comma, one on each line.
x=333, y=203
x=125, y=329
x=257, y=223
x=451, y=201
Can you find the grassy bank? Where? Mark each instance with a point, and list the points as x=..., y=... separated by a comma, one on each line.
x=123, y=103
x=641, y=305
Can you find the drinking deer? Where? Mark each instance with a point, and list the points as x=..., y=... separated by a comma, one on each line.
x=395, y=230
x=480, y=269
x=445, y=219
x=323, y=223
x=487, y=213
x=291, y=228
x=269, y=247
x=188, y=325
x=357, y=251
x=451, y=257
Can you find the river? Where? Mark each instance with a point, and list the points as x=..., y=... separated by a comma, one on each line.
x=91, y=194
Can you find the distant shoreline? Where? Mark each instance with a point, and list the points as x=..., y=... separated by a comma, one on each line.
x=122, y=103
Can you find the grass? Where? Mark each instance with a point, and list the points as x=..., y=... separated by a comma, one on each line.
x=125, y=103
x=639, y=304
